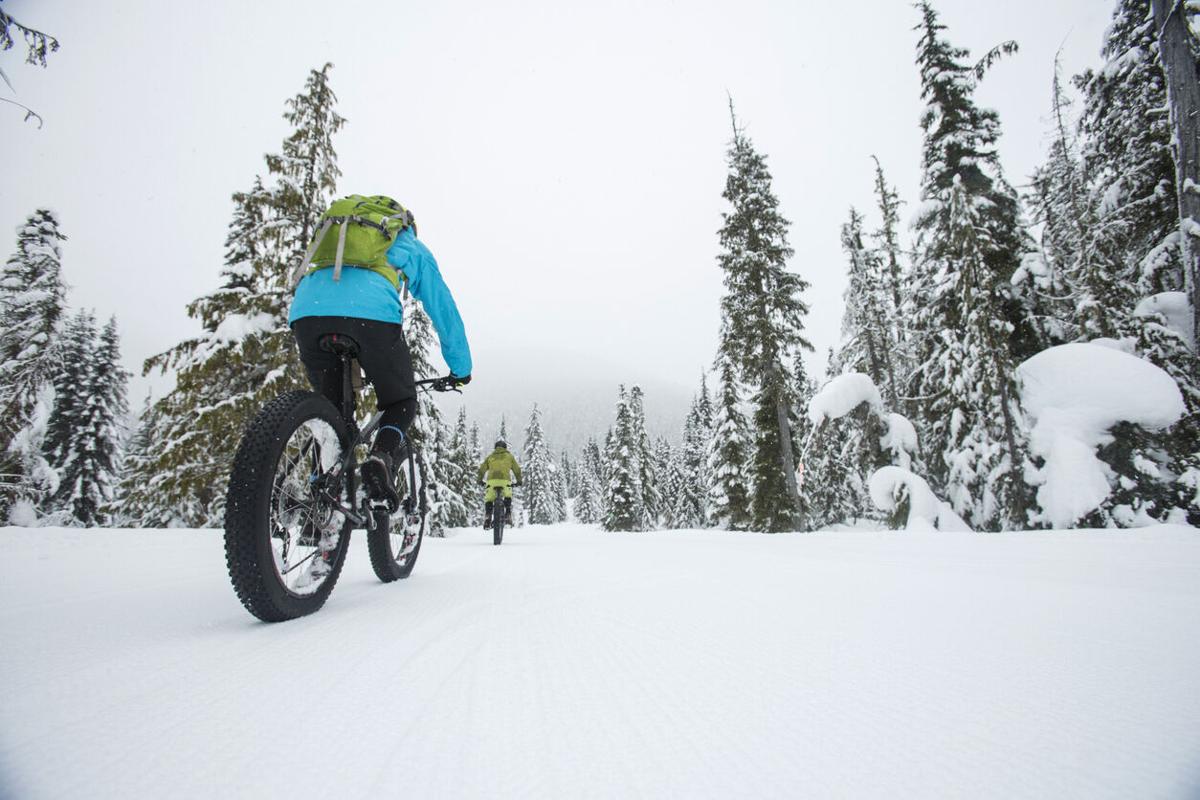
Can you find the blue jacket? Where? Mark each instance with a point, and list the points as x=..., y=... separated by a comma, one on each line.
x=367, y=295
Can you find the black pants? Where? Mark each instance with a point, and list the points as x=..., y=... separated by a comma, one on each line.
x=382, y=352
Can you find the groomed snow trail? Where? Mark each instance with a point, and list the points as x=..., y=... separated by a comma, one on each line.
x=574, y=663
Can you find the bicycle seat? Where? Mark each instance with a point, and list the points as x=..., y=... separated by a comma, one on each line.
x=339, y=344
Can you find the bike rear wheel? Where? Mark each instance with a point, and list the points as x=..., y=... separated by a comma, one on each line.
x=285, y=539
x=394, y=540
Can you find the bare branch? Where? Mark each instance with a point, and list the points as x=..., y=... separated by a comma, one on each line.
x=29, y=112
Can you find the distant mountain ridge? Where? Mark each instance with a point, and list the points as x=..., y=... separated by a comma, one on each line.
x=575, y=402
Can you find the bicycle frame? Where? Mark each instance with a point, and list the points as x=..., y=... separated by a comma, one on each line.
x=345, y=470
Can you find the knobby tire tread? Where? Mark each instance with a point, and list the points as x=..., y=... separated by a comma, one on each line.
x=247, y=509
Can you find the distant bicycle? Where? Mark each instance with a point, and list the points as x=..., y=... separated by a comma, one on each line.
x=500, y=511
x=293, y=500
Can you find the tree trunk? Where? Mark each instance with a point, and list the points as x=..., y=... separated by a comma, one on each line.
x=1175, y=43
x=787, y=456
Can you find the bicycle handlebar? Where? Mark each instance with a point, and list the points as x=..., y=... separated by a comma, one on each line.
x=446, y=383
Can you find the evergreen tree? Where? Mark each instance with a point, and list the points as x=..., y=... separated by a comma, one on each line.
x=1058, y=202
x=623, y=492
x=463, y=466
x=558, y=483
x=762, y=316
x=569, y=474
x=651, y=503
x=868, y=338
x=973, y=421
x=306, y=167
x=668, y=484
x=972, y=331
x=537, y=475
x=32, y=297
x=1132, y=252
x=832, y=490
x=136, y=504
x=887, y=246
x=84, y=428
x=429, y=431
x=588, y=496
x=245, y=354
x=687, y=477
x=728, y=452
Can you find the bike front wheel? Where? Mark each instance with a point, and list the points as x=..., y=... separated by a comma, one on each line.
x=394, y=540
x=285, y=537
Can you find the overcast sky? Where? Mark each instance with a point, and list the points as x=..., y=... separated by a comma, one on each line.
x=565, y=160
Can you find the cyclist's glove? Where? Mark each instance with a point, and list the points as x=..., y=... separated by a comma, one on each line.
x=450, y=383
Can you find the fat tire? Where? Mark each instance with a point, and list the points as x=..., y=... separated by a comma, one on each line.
x=498, y=524
x=379, y=538
x=248, y=552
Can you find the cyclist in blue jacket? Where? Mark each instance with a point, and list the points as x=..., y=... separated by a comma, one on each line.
x=365, y=307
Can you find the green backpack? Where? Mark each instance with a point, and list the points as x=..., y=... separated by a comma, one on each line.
x=367, y=226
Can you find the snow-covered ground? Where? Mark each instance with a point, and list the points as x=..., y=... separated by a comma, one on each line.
x=573, y=663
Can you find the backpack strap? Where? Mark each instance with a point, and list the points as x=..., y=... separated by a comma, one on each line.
x=341, y=249
x=302, y=267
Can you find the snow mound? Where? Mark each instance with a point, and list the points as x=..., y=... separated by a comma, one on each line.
x=1075, y=393
x=842, y=395
x=1174, y=308
x=926, y=512
x=900, y=439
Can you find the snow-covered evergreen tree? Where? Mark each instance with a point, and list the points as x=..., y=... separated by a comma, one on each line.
x=245, y=354
x=463, y=464
x=32, y=298
x=588, y=503
x=664, y=457
x=868, y=333
x=763, y=325
x=688, y=474
x=558, y=484
x=728, y=451
x=429, y=431
x=1131, y=268
x=623, y=492
x=84, y=428
x=136, y=504
x=971, y=331
x=1057, y=199
x=651, y=503
x=541, y=496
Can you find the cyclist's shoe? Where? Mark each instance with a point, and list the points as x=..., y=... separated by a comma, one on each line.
x=508, y=516
x=379, y=476
x=487, y=516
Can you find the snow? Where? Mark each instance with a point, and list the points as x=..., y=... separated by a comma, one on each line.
x=236, y=327
x=1174, y=307
x=900, y=439
x=1126, y=345
x=1075, y=393
x=842, y=395
x=925, y=210
x=890, y=485
x=571, y=663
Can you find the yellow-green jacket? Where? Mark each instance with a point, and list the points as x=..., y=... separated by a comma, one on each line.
x=497, y=466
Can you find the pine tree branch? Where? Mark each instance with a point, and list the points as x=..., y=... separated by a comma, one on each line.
x=40, y=44
x=994, y=55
